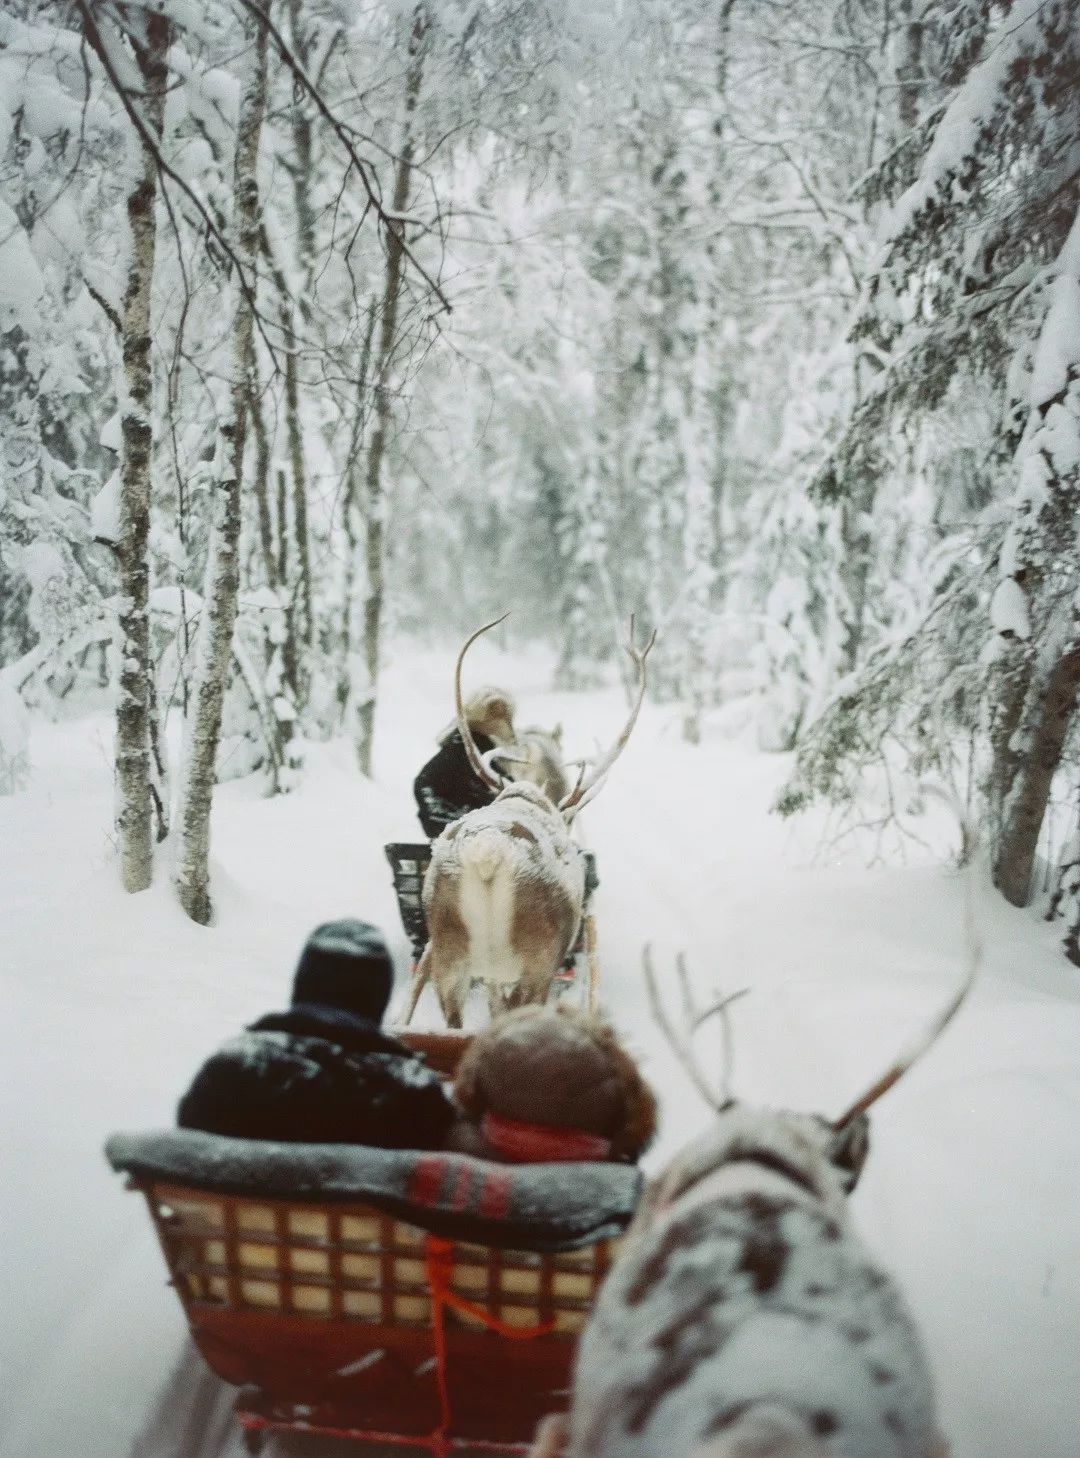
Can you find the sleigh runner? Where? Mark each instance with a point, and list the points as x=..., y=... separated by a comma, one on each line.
x=417, y=1300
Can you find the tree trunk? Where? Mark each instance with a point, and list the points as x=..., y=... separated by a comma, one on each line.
x=696, y=554
x=1066, y=903
x=868, y=466
x=1052, y=701
x=214, y=652
x=350, y=513
x=300, y=616
x=302, y=592
x=276, y=684
x=909, y=70
x=375, y=503
x=1011, y=679
x=1040, y=555
x=133, y=750
x=857, y=537
x=160, y=784
x=261, y=484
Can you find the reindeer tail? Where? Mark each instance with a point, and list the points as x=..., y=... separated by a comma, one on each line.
x=764, y=1431
x=483, y=853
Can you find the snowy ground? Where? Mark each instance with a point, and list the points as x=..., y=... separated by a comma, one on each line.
x=110, y=1003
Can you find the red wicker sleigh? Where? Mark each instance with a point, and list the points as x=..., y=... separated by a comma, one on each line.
x=400, y=1319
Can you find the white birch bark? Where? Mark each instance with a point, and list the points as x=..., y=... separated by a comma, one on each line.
x=698, y=550
x=376, y=504
x=134, y=770
x=218, y=619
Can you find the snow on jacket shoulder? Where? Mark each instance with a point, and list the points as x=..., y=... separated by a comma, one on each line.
x=305, y=1078
x=447, y=788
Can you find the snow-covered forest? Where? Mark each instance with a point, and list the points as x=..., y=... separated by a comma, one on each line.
x=758, y=320
x=330, y=331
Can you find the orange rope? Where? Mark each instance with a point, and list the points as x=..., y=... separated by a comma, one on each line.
x=439, y=1257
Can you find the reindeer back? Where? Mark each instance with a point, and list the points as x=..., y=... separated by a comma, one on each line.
x=522, y=826
x=747, y=1307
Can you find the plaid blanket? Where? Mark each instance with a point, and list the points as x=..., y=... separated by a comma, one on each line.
x=541, y=1207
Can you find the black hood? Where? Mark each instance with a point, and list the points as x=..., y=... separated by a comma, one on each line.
x=345, y=966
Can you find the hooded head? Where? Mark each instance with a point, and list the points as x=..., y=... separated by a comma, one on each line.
x=345, y=966
x=488, y=712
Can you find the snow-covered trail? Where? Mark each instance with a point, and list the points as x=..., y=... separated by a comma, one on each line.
x=112, y=1001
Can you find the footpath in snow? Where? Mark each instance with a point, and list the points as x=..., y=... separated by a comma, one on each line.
x=110, y=1002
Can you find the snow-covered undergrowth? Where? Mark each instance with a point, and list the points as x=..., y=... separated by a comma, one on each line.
x=110, y=1002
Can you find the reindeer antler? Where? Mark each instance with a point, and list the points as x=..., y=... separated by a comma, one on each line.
x=483, y=771
x=683, y=1046
x=586, y=788
x=931, y=1034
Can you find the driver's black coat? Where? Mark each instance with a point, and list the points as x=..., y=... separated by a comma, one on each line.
x=314, y=1075
x=447, y=787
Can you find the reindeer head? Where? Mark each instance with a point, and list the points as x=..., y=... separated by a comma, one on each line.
x=825, y=1157
x=588, y=785
x=803, y=1148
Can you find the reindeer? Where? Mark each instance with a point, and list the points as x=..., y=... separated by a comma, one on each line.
x=537, y=757
x=505, y=888
x=744, y=1318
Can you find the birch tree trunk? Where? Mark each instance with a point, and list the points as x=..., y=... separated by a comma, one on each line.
x=698, y=551
x=299, y=614
x=375, y=503
x=134, y=770
x=214, y=649
x=351, y=513
x=301, y=168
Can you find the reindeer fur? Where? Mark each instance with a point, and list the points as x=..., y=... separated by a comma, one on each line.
x=744, y=1318
x=503, y=897
x=543, y=766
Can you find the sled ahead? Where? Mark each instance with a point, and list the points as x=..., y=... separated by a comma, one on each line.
x=397, y=1299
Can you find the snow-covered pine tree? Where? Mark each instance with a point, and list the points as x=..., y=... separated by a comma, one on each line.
x=966, y=304
x=1036, y=606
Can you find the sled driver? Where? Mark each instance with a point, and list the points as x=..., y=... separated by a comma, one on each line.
x=447, y=787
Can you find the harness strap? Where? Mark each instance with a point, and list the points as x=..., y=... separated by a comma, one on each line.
x=439, y=1261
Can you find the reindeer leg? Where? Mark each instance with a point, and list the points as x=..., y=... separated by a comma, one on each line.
x=552, y=1435
x=421, y=974
x=452, y=989
x=592, y=995
x=535, y=984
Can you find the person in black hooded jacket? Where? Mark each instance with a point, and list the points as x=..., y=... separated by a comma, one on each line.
x=447, y=787
x=323, y=1071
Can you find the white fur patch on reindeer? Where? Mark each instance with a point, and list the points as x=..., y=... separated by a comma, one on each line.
x=521, y=831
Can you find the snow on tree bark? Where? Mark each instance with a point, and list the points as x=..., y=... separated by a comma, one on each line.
x=352, y=520
x=375, y=504
x=1041, y=573
x=214, y=648
x=134, y=768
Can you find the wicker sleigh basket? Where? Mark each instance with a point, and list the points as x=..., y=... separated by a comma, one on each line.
x=395, y=1299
